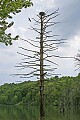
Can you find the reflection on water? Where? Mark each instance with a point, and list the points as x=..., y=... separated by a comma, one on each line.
x=32, y=113
x=42, y=118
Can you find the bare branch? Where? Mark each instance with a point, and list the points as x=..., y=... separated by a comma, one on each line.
x=36, y=20
x=31, y=43
x=54, y=40
x=45, y=26
x=50, y=49
x=30, y=50
x=52, y=74
x=59, y=56
x=35, y=29
x=52, y=18
x=50, y=69
x=24, y=74
x=52, y=13
x=51, y=62
x=46, y=36
x=26, y=77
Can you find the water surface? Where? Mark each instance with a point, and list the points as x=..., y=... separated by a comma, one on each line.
x=32, y=113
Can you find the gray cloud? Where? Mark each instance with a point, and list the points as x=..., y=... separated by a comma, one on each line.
x=69, y=16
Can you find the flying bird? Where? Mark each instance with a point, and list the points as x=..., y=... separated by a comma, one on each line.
x=29, y=19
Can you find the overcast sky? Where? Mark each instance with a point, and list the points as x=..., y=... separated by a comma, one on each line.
x=69, y=28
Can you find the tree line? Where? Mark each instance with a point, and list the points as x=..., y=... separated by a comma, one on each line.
x=58, y=91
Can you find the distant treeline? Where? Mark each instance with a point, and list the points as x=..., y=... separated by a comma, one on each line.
x=58, y=91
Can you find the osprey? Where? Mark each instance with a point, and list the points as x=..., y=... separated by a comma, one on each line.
x=29, y=19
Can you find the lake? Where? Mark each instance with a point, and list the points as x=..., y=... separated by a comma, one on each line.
x=32, y=113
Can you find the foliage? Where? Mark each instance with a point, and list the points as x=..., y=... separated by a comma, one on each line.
x=58, y=91
x=7, y=8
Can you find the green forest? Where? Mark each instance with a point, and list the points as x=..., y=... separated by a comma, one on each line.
x=58, y=91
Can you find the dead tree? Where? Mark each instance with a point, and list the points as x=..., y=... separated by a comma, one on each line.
x=39, y=58
x=77, y=60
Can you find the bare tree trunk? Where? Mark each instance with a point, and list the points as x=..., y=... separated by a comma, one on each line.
x=42, y=111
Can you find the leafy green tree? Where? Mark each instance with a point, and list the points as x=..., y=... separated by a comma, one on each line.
x=7, y=8
x=3, y=99
x=14, y=99
x=63, y=92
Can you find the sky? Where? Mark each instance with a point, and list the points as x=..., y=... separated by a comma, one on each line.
x=68, y=28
